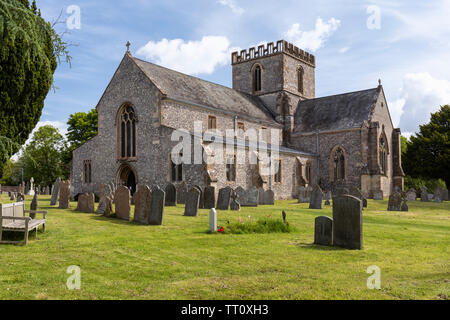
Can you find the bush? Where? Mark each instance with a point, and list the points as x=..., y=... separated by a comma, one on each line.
x=260, y=226
x=418, y=183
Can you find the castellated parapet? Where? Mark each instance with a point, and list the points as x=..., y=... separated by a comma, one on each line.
x=281, y=46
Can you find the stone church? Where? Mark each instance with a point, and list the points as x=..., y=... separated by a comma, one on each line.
x=340, y=140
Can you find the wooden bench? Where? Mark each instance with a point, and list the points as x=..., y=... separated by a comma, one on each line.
x=12, y=218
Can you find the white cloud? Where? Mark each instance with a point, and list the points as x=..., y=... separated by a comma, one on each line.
x=420, y=95
x=232, y=5
x=313, y=39
x=344, y=49
x=192, y=57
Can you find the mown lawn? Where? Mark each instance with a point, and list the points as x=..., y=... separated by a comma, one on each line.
x=180, y=260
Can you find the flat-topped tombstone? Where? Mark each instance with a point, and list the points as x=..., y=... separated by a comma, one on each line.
x=55, y=192
x=378, y=195
x=241, y=195
x=64, y=194
x=142, y=205
x=411, y=195
x=347, y=222
x=424, y=195
x=224, y=199
x=122, y=199
x=157, y=206
x=252, y=197
x=212, y=220
x=261, y=195
x=192, y=202
x=269, y=197
x=171, y=195
x=323, y=231
x=209, y=197
x=395, y=202
x=86, y=203
x=316, y=198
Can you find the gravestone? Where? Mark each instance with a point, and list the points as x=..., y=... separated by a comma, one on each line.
x=424, y=195
x=34, y=203
x=171, y=195
x=64, y=194
x=404, y=205
x=438, y=194
x=269, y=197
x=201, y=200
x=181, y=194
x=445, y=195
x=105, y=206
x=378, y=195
x=354, y=191
x=192, y=202
x=55, y=192
x=347, y=222
x=122, y=199
x=20, y=197
x=316, y=198
x=86, y=203
x=411, y=195
x=323, y=231
x=157, y=206
x=12, y=197
x=142, y=205
x=395, y=202
x=302, y=195
x=260, y=195
x=209, y=197
x=252, y=197
x=234, y=203
x=212, y=220
x=223, y=201
x=241, y=195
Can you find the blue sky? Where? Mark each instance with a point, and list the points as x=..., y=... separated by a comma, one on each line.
x=404, y=43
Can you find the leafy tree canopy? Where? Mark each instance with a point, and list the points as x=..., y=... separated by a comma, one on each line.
x=82, y=127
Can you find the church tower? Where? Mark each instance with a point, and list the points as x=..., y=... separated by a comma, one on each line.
x=279, y=74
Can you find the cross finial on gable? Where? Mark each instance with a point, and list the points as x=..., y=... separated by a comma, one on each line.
x=379, y=82
x=128, y=46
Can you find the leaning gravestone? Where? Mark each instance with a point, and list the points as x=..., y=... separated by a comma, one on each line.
x=55, y=192
x=347, y=222
x=378, y=195
x=212, y=220
x=192, y=202
x=252, y=197
x=142, y=205
x=395, y=202
x=122, y=199
x=411, y=195
x=64, y=194
x=424, y=195
x=171, y=195
x=209, y=197
x=269, y=197
x=157, y=206
x=223, y=201
x=316, y=198
x=323, y=231
x=86, y=203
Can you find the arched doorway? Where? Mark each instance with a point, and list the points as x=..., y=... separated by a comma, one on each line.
x=127, y=178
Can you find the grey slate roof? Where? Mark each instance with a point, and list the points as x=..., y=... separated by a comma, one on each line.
x=190, y=89
x=342, y=111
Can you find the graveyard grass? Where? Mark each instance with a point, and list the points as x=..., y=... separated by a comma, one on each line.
x=180, y=260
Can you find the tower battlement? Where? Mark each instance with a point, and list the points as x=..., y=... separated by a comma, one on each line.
x=281, y=46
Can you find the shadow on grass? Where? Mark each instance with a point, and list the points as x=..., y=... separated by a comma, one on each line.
x=318, y=247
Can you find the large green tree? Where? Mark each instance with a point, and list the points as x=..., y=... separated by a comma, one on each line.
x=42, y=156
x=428, y=153
x=29, y=52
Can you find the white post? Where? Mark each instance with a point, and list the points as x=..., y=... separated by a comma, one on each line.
x=213, y=220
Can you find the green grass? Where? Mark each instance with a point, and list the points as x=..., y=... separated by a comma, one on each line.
x=262, y=225
x=180, y=260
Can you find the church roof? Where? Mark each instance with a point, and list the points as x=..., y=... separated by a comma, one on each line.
x=178, y=86
x=342, y=111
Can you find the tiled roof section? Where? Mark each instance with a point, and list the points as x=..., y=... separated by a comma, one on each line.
x=342, y=111
x=190, y=89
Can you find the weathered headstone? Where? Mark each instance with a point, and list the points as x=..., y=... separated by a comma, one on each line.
x=55, y=192
x=438, y=194
x=260, y=195
x=241, y=195
x=86, y=202
x=252, y=197
x=234, y=203
x=122, y=199
x=347, y=222
x=445, y=195
x=424, y=195
x=212, y=220
x=395, y=202
x=192, y=202
x=181, y=194
x=323, y=231
x=171, y=195
x=404, y=205
x=142, y=205
x=64, y=194
x=316, y=198
x=378, y=195
x=411, y=195
x=157, y=206
x=34, y=203
x=105, y=206
x=223, y=201
x=269, y=197
x=20, y=197
x=209, y=197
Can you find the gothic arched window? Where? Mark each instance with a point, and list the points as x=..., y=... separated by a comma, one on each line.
x=257, y=78
x=339, y=164
x=308, y=172
x=127, y=133
x=383, y=155
x=300, y=74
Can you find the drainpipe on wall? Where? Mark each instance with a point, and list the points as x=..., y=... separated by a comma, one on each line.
x=318, y=158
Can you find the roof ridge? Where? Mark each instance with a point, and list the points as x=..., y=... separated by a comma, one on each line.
x=339, y=94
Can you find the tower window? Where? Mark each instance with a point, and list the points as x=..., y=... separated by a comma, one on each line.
x=300, y=75
x=257, y=79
